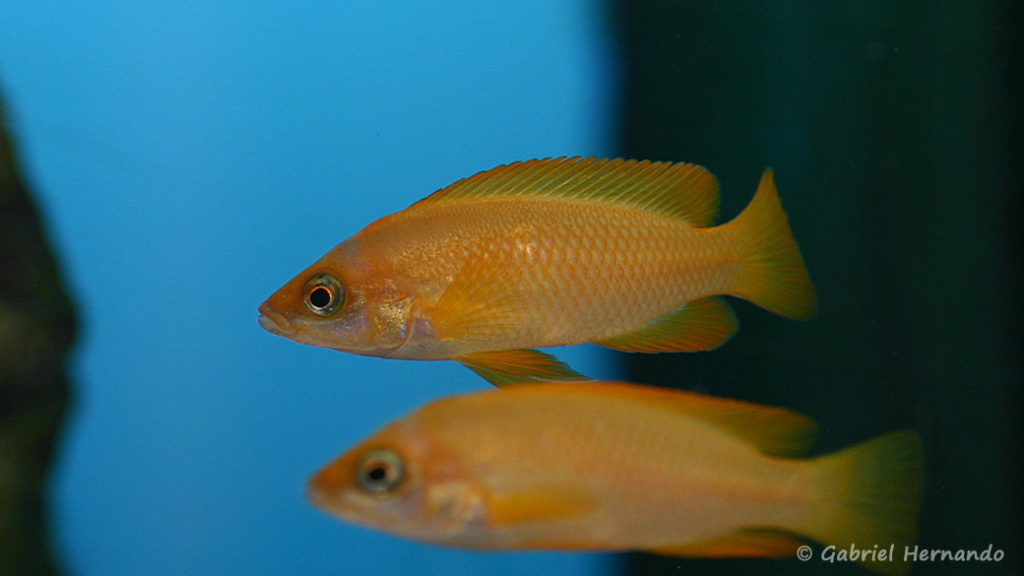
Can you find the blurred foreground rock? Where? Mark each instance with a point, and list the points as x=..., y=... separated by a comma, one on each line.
x=37, y=328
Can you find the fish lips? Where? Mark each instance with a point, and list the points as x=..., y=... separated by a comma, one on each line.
x=274, y=322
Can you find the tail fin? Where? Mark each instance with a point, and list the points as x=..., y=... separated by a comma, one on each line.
x=870, y=495
x=772, y=273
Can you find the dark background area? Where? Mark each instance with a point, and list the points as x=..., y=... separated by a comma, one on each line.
x=894, y=132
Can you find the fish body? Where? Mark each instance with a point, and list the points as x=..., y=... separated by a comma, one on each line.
x=610, y=466
x=549, y=253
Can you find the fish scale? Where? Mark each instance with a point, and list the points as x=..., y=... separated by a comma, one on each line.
x=575, y=255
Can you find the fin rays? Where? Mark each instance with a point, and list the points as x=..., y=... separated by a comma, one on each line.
x=510, y=367
x=703, y=324
x=685, y=191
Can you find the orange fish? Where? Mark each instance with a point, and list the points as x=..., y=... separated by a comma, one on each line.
x=543, y=253
x=612, y=466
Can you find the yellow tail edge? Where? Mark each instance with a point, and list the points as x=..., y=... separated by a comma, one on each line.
x=772, y=273
x=868, y=498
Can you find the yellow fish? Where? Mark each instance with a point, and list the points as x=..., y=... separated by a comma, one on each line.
x=613, y=466
x=543, y=253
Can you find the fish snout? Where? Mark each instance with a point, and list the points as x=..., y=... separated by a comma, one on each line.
x=316, y=493
x=326, y=490
x=274, y=322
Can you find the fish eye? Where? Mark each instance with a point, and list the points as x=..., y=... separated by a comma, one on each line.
x=323, y=295
x=380, y=471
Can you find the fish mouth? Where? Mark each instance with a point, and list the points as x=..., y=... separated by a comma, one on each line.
x=321, y=494
x=274, y=322
x=315, y=494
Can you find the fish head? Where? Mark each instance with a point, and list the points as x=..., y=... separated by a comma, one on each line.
x=340, y=302
x=400, y=482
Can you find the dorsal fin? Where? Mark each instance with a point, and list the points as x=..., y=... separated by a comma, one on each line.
x=685, y=191
x=773, y=431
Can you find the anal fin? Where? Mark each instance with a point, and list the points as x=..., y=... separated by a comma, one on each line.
x=510, y=367
x=750, y=543
x=703, y=324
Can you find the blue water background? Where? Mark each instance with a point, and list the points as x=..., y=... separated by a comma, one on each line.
x=190, y=158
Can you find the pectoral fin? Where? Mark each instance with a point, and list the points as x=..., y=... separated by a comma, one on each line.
x=745, y=543
x=483, y=303
x=510, y=367
x=548, y=503
x=703, y=324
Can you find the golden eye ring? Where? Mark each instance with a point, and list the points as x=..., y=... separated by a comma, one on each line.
x=323, y=295
x=380, y=472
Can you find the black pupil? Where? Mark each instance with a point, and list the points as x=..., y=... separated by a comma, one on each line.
x=320, y=297
x=377, y=473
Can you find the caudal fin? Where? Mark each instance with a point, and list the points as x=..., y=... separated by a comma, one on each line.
x=772, y=272
x=868, y=497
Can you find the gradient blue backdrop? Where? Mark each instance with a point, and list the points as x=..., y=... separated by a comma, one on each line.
x=192, y=156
